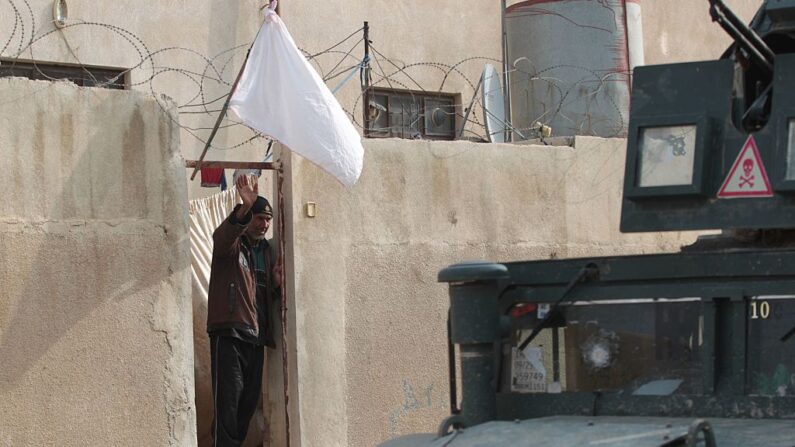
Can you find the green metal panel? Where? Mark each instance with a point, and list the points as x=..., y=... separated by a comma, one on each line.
x=680, y=93
x=475, y=327
x=511, y=406
x=717, y=287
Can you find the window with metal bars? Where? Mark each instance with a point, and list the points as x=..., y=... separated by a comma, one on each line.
x=84, y=76
x=408, y=114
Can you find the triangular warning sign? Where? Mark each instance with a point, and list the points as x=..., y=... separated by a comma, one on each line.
x=747, y=177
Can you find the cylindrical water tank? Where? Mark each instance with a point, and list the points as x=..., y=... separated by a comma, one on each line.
x=634, y=34
x=571, y=67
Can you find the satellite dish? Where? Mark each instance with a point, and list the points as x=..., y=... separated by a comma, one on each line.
x=60, y=13
x=376, y=110
x=493, y=105
x=438, y=117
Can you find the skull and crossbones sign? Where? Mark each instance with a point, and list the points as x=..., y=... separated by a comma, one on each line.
x=748, y=178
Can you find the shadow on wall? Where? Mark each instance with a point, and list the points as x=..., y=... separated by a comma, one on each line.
x=92, y=243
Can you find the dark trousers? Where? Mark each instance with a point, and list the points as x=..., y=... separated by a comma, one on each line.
x=237, y=384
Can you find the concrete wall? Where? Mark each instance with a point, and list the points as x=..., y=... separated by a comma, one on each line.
x=95, y=327
x=189, y=51
x=682, y=30
x=426, y=39
x=368, y=314
x=416, y=43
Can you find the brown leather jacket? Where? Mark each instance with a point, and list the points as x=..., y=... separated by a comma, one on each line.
x=232, y=299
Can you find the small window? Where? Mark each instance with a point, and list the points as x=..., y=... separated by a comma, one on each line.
x=667, y=155
x=407, y=114
x=83, y=76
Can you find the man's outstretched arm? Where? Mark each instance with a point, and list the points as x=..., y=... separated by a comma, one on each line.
x=230, y=230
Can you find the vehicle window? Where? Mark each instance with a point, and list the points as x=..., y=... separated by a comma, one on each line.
x=641, y=346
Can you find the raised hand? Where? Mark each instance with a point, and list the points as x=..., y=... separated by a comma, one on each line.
x=248, y=192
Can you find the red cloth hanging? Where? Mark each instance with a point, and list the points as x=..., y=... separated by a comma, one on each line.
x=212, y=177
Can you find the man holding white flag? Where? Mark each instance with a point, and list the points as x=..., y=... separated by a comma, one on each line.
x=282, y=96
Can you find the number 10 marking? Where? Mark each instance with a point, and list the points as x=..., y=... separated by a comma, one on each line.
x=760, y=309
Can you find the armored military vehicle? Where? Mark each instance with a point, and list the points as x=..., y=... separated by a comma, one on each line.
x=685, y=349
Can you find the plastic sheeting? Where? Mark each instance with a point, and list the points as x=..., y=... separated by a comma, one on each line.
x=282, y=96
x=205, y=216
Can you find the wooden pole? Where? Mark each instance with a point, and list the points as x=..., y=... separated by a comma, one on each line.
x=220, y=117
x=283, y=290
x=234, y=164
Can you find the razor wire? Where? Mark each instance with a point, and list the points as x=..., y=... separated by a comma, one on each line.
x=204, y=80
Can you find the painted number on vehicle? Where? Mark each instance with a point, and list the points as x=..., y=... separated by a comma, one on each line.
x=760, y=310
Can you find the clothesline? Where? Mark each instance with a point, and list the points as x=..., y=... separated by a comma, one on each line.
x=269, y=166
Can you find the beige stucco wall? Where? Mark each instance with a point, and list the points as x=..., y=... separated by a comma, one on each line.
x=95, y=327
x=175, y=48
x=369, y=314
x=682, y=30
x=189, y=51
x=427, y=40
x=416, y=43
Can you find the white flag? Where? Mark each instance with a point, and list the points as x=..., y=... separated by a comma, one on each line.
x=282, y=96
